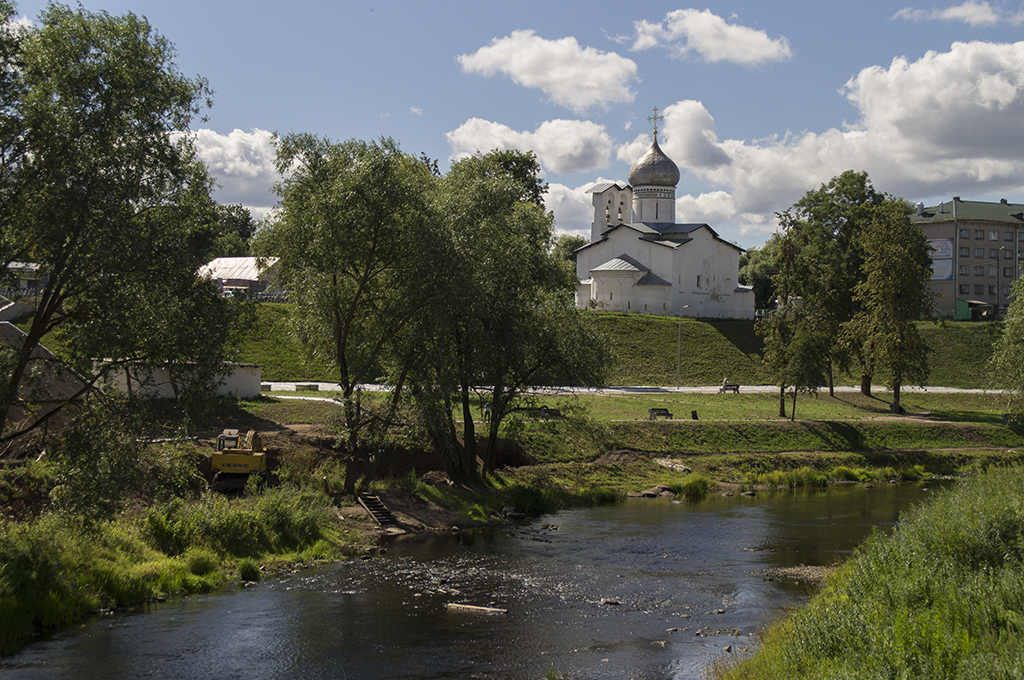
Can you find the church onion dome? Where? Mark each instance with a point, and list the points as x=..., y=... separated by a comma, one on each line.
x=654, y=168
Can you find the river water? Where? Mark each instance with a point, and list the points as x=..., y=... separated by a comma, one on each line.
x=641, y=590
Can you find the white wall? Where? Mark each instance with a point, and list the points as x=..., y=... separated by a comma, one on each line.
x=241, y=380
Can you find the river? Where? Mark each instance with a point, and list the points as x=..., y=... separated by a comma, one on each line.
x=646, y=590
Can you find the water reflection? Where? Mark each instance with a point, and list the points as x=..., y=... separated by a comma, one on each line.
x=645, y=590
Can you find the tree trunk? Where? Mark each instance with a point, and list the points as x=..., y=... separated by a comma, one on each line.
x=792, y=411
x=831, y=379
x=865, y=384
x=469, y=453
x=896, y=388
x=782, y=401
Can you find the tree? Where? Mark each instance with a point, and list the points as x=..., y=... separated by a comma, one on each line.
x=235, y=229
x=796, y=347
x=758, y=267
x=505, y=319
x=1007, y=362
x=822, y=265
x=894, y=294
x=101, y=189
x=356, y=243
x=565, y=255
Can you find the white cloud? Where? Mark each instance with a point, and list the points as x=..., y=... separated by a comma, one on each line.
x=563, y=147
x=573, y=208
x=242, y=165
x=972, y=12
x=948, y=124
x=415, y=110
x=572, y=76
x=689, y=31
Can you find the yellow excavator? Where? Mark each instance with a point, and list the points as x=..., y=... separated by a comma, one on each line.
x=237, y=458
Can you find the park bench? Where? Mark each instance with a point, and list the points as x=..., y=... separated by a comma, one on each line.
x=546, y=412
x=729, y=387
x=655, y=413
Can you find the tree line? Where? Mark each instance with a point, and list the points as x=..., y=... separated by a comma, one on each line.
x=450, y=284
x=848, y=277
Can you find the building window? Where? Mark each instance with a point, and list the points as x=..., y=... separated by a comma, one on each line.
x=992, y=252
x=611, y=296
x=965, y=288
x=1007, y=235
x=979, y=234
x=965, y=252
x=979, y=289
x=978, y=271
x=1007, y=271
x=979, y=252
x=698, y=280
x=1007, y=254
x=965, y=233
x=993, y=235
x=1020, y=235
x=963, y=270
x=992, y=271
x=991, y=290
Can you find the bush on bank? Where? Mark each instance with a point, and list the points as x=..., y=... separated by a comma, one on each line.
x=58, y=569
x=942, y=597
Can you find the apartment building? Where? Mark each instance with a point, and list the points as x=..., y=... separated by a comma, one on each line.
x=977, y=254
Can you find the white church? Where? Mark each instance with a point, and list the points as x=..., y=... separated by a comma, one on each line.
x=640, y=260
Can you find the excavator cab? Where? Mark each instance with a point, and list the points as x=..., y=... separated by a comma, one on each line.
x=237, y=458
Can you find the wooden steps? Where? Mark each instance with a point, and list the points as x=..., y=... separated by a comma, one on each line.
x=378, y=511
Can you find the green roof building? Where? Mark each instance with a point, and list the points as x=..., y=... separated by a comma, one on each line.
x=977, y=252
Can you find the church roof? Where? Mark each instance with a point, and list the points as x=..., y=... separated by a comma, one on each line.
x=622, y=263
x=654, y=168
x=604, y=186
x=652, y=279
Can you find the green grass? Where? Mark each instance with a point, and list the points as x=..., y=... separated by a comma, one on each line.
x=942, y=597
x=272, y=345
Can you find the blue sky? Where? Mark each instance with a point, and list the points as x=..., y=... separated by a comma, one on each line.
x=762, y=101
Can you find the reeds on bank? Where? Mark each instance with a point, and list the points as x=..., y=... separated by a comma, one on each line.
x=941, y=597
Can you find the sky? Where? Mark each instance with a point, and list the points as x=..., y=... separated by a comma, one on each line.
x=761, y=101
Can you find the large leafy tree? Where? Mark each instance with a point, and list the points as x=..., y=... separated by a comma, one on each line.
x=101, y=189
x=893, y=295
x=355, y=242
x=821, y=263
x=505, y=319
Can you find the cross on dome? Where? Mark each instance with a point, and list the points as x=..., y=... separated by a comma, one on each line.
x=654, y=119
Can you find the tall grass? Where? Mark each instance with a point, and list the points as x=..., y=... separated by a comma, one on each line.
x=942, y=597
x=280, y=520
x=56, y=570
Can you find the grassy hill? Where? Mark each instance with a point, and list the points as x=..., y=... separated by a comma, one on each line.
x=646, y=350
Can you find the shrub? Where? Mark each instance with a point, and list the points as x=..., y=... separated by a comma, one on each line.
x=695, y=488
x=200, y=561
x=248, y=570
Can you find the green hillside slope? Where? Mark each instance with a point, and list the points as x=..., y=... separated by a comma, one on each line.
x=646, y=350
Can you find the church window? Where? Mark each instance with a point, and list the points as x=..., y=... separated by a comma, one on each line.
x=629, y=305
x=698, y=280
x=611, y=296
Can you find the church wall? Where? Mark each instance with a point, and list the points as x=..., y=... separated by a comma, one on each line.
x=708, y=269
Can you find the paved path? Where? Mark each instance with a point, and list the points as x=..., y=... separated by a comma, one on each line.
x=636, y=389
